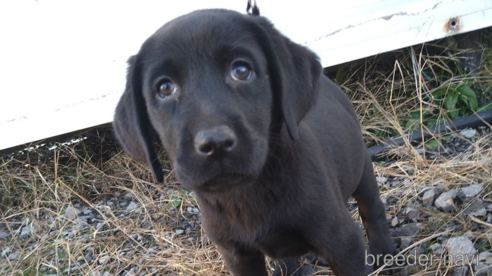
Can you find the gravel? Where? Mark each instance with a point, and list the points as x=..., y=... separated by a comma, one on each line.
x=410, y=222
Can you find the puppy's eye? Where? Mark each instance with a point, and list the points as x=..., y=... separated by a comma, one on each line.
x=165, y=87
x=241, y=71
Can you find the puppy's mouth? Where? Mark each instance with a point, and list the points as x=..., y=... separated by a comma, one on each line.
x=228, y=181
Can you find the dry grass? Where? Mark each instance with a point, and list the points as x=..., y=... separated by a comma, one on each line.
x=37, y=186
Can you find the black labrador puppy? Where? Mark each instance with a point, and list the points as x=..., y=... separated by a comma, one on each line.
x=272, y=147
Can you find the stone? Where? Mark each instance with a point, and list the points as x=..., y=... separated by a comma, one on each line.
x=103, y=259
x=381, y=179
x=429, y=196
x=9, y=254
x=460, y=271
x=468, y=132
x=475, y=209
x=445, y=201
x=14, y=256
x=479, y=213
x=132, y=206
x=27, y=231
x=395, y=221
x=469, y=192
x=133, y=271
x=480, y=269
x=460, y=246
x=406, y=242
x=72, y=212
x=435, y=246
x=4, y=235
x=5, y=252
x=412, y=213
x=87, y=211
x=485, y=256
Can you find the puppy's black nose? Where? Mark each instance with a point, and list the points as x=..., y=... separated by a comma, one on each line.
x=215, y=142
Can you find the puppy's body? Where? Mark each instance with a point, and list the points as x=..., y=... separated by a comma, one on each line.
x=272, y=148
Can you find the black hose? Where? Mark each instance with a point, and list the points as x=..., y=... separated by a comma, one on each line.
x=470, y=121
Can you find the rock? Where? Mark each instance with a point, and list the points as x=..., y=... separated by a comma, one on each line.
x=14, y=256
x=468, y=133
x=445, y=201
x=480, y=269
x=27, y=231
x=5, y=252
x=179, y=231
x=395, y=221
x=479, y=213
x=460, y=246
x=87, y=211
x=410, y=229
x=103, y=259
x=129, y=196
x=4, y=235
x=435, y=246
x=407, y=230
x=407, y=182
x=469, y=235
x=72, y=212
x=81, y=222
x=9, y=254
x=469, y=192
x=460, y=271
x=133, y=271
x=476, y=209
x=89, y=257
x=429, y=196
x=132, y=206
x=412, y=213
x=406, y=242
x=485, y=257
x=381, y=179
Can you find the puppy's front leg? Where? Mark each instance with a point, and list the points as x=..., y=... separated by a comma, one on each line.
x=244, y=263
x=345, y=250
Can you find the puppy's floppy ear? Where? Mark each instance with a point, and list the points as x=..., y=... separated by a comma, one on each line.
x=131, y=122
x=294, y=71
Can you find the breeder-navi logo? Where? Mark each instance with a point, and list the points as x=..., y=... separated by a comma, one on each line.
x=420, y=259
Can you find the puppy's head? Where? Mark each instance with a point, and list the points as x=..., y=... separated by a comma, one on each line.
x=216, y=87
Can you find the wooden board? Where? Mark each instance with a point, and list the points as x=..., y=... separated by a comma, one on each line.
x=63, y=62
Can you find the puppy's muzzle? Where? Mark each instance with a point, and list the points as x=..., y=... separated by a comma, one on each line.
x=215, y=142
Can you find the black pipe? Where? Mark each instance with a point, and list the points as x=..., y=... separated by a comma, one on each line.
x=470, y=121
